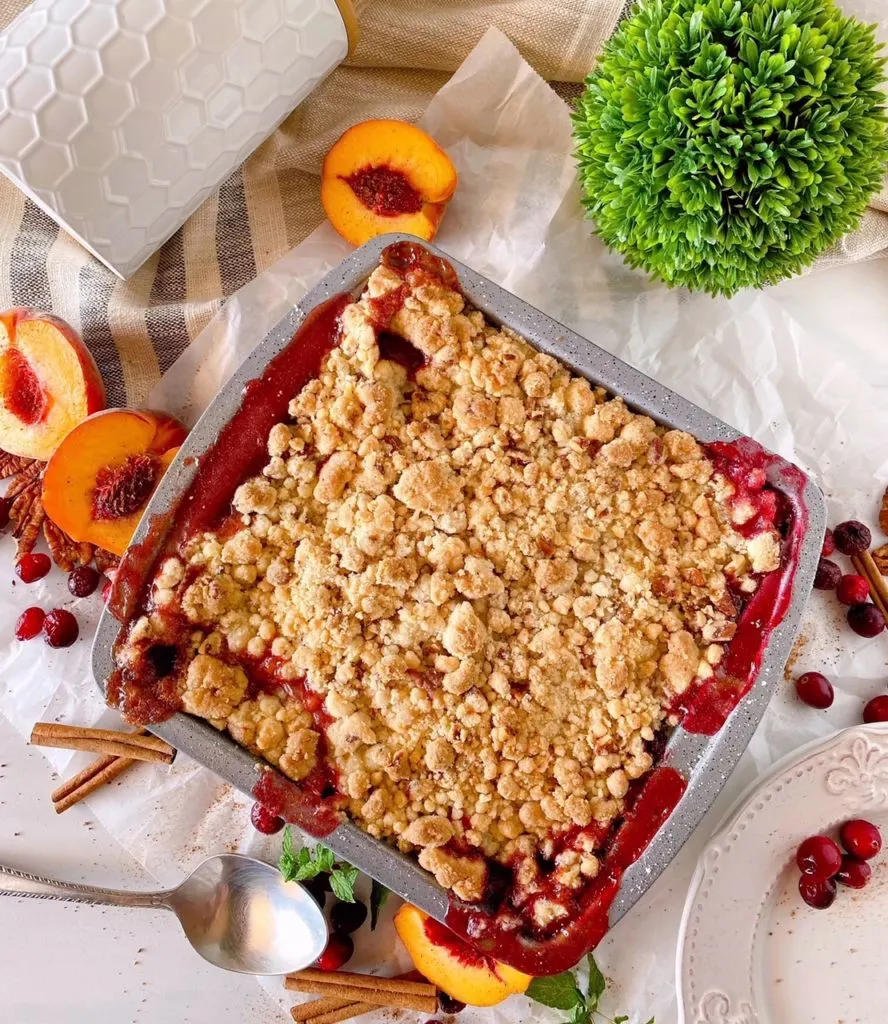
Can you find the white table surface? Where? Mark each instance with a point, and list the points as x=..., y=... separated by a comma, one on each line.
x=65, y=964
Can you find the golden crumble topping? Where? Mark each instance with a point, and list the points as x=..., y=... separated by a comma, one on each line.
x=495, y=577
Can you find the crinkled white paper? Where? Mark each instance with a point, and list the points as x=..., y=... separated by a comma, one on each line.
x=802, y=367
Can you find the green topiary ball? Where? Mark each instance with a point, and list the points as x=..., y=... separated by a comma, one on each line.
x=724, y=144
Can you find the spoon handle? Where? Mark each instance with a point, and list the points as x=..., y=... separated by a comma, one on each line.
x=21, y=883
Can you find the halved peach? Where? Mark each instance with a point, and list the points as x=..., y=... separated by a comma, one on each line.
x=49, y=382
x=386, y=176
x=453, y=965
x=100, y=478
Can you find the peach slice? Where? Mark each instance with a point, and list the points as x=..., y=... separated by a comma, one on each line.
x=453, y=965
x=100, y=478
x=386, y=176
x=49, y=382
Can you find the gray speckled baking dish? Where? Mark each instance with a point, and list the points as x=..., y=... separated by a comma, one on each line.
x=706, y=761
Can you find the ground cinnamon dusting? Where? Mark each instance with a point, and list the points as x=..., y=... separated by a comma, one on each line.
x=798, y=649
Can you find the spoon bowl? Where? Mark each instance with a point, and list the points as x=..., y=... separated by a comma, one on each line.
x=237, y=912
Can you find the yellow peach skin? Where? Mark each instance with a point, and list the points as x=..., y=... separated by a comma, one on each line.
x=100, y=478
x=453, y=965
x=383, y=176
x=49, y=382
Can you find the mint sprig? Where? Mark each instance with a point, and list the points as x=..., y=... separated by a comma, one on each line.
x=310, y=861
x=561, y=992
x=378, y=895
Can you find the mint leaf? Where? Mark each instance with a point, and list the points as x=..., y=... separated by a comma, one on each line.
x=651, y=1021
x=378, y=895
x=622, y=1019
x=342, y=882
x=558, y=991
x=289, y=861
x=581, y=1014
x=305, y=863
x=325, y=859
x=597, y=984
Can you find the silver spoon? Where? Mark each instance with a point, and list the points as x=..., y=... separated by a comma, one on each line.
x=237, y=912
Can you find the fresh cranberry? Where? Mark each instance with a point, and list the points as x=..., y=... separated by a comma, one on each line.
x=815, y=690
x=853, y=589
x=265, y=821
x=29, y=624
x=450, y=1005
x=33, y=567
x=819, y=858
x=854, y=873
x=106, y=591
x=829, y=544
x=866, y=620
x=852, y=537
x=338, y=951
x=819, y=895
x=347, y=917
x=876, y=710
x=861, y=838
x=827, y=576
x=4, y=512
x=83, y=580
x=60, y=628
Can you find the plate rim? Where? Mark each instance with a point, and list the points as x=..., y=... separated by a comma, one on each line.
x=782, y=766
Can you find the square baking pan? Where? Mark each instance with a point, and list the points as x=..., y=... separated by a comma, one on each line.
x=706, y=761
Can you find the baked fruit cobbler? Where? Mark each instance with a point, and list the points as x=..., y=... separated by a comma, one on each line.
x=468, y=592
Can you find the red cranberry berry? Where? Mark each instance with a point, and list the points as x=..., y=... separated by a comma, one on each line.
x=346, y=918
x=852, y=537
x=83, y=580
x=4, y=512
x=827, y=576
x=819, y=858
x=862, y=839
x=33, y=567
x=338, y=951
x=265, y=821
x=819, y=895
x=829, y=544
x=106, y=591
x=866, y=620
x=853, y=589
x=876, y=710
x=815, y=690
x=60, y=628
x=854, y=873
x=448, y=1004
x=30, y=623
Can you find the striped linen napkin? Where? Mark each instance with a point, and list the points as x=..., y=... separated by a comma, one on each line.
x=408, y=48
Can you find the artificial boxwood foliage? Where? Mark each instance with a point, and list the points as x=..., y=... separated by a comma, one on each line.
x=727, y=143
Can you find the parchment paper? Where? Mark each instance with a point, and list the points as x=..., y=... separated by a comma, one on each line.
x=799, y=367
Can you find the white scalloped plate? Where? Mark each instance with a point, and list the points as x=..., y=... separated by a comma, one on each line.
x=749, y=950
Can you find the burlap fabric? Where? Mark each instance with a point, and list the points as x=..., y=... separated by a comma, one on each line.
x=407, y=50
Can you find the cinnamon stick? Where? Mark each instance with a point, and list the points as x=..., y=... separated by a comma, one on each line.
x=348, y=995
x=102, y=741
x=318, y=1007
x=349, y=979
x=91, y=770
x=865, y=565
x=345, y=1012
x=107, y=774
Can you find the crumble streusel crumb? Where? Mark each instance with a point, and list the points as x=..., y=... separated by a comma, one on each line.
x=496, y=576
